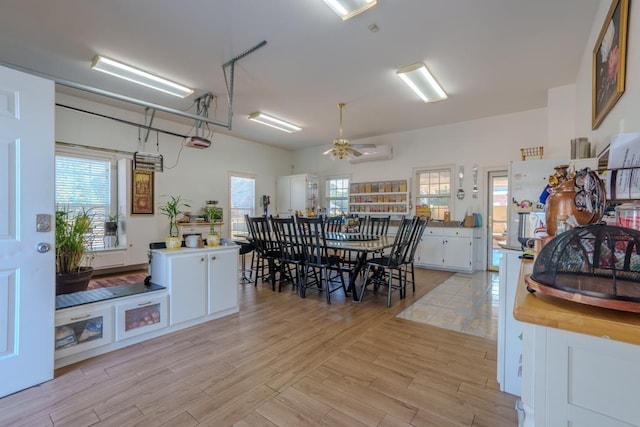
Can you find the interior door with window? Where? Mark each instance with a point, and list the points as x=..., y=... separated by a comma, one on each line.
x=27, y=272
x=497, y=224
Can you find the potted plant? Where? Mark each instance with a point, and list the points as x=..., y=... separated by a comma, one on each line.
x=214, y=215
x=73, y=250
x=111, y=230
x=171, y=208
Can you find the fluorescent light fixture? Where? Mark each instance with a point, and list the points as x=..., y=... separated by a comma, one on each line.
x=274, y=122
x=127, y=72
x=420, y=80
x=346, y=9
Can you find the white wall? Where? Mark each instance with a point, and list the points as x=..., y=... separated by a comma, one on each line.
x=197, y=175
x=490, y=143
x=623, y=117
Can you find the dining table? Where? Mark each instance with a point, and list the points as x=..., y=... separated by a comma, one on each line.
x=363, y=245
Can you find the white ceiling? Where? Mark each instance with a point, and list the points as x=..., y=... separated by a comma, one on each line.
x=491, y=56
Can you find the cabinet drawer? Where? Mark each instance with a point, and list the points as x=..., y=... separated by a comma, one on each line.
x=140, y=316
x=433, y=231
x=82, y=329
x=457, y=232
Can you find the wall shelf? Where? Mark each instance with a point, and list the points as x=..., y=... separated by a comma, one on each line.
x=379, y=197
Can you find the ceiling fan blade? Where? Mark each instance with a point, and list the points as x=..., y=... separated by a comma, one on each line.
x=364, y=145
x=328, y=151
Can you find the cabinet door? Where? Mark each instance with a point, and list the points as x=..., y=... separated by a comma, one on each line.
x=79, y=329
x=430, y=250
x=141, y=315
x=188, y=280
x=298, y=193
x=457, y=253
x=223, y=280
x=283, y=195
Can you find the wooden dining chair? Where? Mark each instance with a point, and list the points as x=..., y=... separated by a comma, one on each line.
x=419, y=225
x=318, y=261
x=386, y=270
x=377, y=226
x=290, y=246
x=266, y=248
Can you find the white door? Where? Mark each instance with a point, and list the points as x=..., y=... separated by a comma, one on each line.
x=27, y=277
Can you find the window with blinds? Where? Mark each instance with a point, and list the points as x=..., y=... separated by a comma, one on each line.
x=87, y=183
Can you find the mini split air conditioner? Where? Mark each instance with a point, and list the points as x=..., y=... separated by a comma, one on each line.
x=378, y=152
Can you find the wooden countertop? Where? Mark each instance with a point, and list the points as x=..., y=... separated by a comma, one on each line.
x=557, y=313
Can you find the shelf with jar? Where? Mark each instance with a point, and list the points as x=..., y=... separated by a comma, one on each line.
x=379, y=197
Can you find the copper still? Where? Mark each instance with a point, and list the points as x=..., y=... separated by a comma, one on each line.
x=581, y=196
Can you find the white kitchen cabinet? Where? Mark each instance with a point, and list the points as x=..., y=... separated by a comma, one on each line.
x=202, y=282
x=221, y=272
x=449, y=248
x=573, y=379
x=296, y=193
x=509, y=363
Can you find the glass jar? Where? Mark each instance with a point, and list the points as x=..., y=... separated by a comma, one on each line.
x=628, y=215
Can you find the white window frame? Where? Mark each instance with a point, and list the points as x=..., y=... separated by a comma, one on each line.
x=251, y=211
x=97, y=242
x=436, y=214
x=328, y=199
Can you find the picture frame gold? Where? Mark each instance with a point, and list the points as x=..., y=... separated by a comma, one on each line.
x=142, y=192
x=609, y=62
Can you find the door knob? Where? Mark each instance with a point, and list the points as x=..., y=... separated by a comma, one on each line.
x=43, y=247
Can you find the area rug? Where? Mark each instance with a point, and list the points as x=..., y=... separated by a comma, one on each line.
x=116, y=280
x=466, y=303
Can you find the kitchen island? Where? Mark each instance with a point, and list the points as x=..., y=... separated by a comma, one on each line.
x=188, y=286
x=580, y=363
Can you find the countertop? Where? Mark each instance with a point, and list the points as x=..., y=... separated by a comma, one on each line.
x=557, y=313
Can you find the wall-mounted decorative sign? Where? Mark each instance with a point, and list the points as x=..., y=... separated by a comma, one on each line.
x=609, y=62
x=142, y=192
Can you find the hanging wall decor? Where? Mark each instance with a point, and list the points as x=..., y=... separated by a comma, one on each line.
x=609, y=62
x=142, y=192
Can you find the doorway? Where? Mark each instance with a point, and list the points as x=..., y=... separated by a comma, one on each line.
x=497, y=225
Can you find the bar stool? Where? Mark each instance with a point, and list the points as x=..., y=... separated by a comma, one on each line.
x=245, y=248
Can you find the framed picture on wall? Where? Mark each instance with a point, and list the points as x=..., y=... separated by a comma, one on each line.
x=609, y=62
x=142, y=192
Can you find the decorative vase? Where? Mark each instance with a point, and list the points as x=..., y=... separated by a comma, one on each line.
x=213, y=240
x=173, y=243
x=68, y=283
x=561, y=203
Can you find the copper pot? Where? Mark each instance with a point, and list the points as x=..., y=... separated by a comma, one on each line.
x=561, y=203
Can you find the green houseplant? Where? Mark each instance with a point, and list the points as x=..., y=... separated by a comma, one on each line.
x=111, y=229
x=214, y=214
x=171, y=209
x=73, y=250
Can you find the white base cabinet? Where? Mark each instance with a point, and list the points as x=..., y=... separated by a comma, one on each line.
x=449, y=248
x=201, y=285
x=572, y=379
x=92, y=329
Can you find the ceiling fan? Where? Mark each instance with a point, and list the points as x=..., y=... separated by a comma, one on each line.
x=341, y=146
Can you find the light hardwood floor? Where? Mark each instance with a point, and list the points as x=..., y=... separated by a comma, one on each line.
x=283, y=361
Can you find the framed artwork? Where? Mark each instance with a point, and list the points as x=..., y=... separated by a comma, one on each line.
x=142, y=192
x=609, y=62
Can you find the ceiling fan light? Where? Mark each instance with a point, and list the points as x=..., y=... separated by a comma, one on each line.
x=274, y=122
x=420, y=80
x=135, y=75
x=346, y=9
